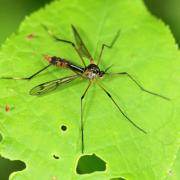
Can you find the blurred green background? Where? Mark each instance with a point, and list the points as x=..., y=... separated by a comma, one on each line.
x=13, y=12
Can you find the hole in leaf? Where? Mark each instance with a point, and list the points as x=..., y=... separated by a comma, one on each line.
x=7, y=167
x=117, y=178
x=89, y=164
x=55, y=156
x=63, y=128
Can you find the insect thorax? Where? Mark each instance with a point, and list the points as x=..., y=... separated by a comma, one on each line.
x=92, y=71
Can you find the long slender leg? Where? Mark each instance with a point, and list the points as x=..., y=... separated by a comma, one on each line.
x=121, y=111
x=65, y=41
x=82, y=123
x=142, y=88
x=107, y=46
x=27, y=78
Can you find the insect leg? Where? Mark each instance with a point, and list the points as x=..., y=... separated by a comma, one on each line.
x=65, y=41
x=82, y=124
x=142, y=88
x=107, y=46
x=120, y=110
x=27, y=78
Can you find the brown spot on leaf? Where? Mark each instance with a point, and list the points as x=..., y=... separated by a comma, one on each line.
x=54, y=178
x=7, y=108
x=30, y=36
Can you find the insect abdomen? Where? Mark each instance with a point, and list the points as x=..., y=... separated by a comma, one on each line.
x=59, y=62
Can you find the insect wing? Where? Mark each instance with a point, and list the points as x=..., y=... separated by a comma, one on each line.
x=80, y=44
x=51, y=85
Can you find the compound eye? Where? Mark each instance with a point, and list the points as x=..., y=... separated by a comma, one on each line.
x=95, y=71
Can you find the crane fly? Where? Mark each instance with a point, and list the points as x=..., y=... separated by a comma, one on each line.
x=90, y=72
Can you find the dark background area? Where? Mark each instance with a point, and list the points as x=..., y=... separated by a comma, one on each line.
x=169, y=12
x=12, y=12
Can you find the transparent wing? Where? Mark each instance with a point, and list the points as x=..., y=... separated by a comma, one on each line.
x=80, y=44
x=51, y=85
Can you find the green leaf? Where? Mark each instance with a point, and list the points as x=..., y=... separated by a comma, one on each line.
x=31, y=129
x=174, y=173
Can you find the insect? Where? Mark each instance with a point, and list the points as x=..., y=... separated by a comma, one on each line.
x=90, y=72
